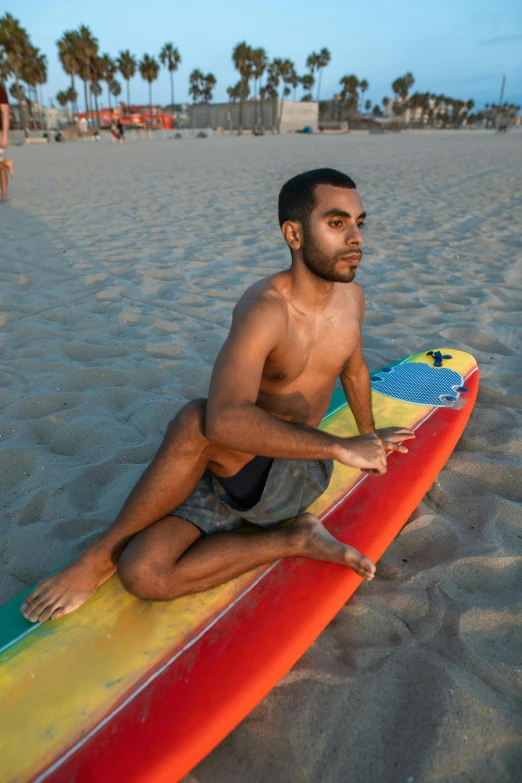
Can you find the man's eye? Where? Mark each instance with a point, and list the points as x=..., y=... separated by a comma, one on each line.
x=361, y=225
x=336, y=223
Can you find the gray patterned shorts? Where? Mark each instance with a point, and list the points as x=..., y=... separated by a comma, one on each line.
x=291, y=486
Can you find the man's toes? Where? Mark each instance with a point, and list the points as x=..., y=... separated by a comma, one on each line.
x=34, y=612
x=46, y=613
x=367, y=569
x=29, y=602
x=58, y=613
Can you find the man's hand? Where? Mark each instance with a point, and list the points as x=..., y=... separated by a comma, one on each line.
x=368, y=452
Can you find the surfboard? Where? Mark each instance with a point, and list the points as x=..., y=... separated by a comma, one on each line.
x=141, y=691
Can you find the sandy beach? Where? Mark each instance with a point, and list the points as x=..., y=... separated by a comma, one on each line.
x=120, y=266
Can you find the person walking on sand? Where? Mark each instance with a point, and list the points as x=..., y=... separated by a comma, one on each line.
x=121, y=130
x=115, y=133
x=252, y=450
x=6, y=166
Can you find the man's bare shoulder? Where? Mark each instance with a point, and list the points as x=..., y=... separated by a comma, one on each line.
x=262, y=303
x=263, y=296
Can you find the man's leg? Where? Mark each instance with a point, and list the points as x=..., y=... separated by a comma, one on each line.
x=154, y=563
x=166, y=483
x=3, y=180
x=154, y=566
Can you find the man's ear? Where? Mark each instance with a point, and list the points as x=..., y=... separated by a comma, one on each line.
x=293, y=234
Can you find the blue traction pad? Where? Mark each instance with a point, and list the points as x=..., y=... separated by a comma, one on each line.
x=419, y=383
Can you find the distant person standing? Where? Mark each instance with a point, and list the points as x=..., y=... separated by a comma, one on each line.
x=121, y=130
x=115, y=132
x=6, y=166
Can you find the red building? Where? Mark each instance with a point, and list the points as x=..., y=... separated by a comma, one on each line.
x=130, y=116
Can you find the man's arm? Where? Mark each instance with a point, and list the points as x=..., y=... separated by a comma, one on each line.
x=356, y=383
x=234, y=421
x=355, y=380
x=4, y=108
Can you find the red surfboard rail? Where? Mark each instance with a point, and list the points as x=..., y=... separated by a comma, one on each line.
x=184, y=708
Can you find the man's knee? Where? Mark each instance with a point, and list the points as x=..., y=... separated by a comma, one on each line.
x=190, y=419
x=140, y=578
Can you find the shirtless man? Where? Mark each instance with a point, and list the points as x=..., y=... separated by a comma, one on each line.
x=252, y=450
x=6, y=166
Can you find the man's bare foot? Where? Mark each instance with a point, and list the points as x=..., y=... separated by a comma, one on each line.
x=315, y=542
x=66, y=590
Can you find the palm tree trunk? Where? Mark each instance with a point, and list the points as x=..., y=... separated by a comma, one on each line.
x=241, y=102
x=128, y=92
x=172, y=98
x=281, y=109
x=72, y=93
x=320, y=75
x=150, y=102
x=20, y=102
x=261, y=106
x=97, y=112
x=86, y=99
x=41, y=105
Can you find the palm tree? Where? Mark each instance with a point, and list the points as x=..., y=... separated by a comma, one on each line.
x=149, y=69
x=126, y=63
x=96, y=88
x=108, y=71
x=285, y=70
x=196, y=79
x=295, y=81
x=67, y=53
x=233, y=92
x=363, y=86
x=259, y=66
x=72, y=97
x=115, y=88
x=170, y=58
x=209, y=82
x=368, y=105
x=40, y=67
x=271, y=86
x=15, y=42
x=323, y=60
x=242, y=57
x=63, y=98
x=34, y=74
x=401, y=87
x=350, y=85
x=5, y=69
x=28, y=76
x=312, y=63
x=307, y=82
x=87, y=52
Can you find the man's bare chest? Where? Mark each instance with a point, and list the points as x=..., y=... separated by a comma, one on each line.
x=319, y=352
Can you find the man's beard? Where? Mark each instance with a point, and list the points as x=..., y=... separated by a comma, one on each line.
x=322, y=265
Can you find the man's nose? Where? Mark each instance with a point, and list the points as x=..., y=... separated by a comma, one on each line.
x=354, y=235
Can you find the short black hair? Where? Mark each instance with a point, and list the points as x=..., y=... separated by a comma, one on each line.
x=297, y=196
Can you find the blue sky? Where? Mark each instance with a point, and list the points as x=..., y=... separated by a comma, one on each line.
x=457, y=47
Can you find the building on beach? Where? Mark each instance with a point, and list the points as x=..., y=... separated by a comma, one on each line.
x=296, y=115
x=152, y=117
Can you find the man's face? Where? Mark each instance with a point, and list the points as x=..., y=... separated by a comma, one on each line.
x=332, y=238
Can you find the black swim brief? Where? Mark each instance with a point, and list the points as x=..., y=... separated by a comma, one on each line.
x=281, y=488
